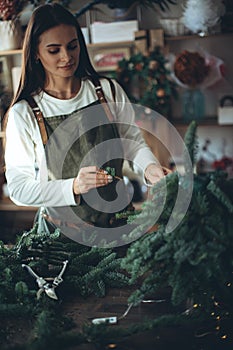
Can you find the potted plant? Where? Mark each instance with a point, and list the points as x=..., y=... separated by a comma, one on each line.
x=10, y=28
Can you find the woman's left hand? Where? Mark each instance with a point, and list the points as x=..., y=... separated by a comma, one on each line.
x=155, y=173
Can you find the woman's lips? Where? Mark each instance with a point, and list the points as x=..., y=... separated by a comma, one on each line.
x=67, y=67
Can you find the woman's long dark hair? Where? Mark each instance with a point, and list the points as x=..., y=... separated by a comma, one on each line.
x=43, y=18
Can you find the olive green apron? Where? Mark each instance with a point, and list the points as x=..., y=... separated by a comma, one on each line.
x=84, y=138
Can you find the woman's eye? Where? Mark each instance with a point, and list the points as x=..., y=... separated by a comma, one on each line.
x=53, y=52
x=73, y=47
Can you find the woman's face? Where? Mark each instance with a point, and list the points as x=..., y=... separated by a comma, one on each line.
x=58, y=51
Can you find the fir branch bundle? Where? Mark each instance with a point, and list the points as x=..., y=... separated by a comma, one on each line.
x=196, y=259
x=89, y=271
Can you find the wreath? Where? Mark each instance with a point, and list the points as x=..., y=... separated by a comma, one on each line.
x=151, y=75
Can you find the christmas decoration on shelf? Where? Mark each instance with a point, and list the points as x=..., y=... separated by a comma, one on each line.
x=209, y=161
x=223, y=164
x=10, y=9
x=206, y=159
x=10, y=28
x=201, y=17
x=196, y=259
x=147, y=81
x=195, y=71
x=191, y=69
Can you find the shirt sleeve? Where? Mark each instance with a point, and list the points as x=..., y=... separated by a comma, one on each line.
x=26, y=172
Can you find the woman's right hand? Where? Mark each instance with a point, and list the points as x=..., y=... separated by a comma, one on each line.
x=90, y=177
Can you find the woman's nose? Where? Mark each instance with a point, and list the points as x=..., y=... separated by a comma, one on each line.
x=65, y=55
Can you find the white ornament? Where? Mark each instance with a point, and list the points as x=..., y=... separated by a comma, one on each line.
x=199, y=15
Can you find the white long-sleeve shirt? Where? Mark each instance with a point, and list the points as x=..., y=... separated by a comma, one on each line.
x=26, y=171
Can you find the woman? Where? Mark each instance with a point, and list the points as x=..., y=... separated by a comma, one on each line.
x=69, y=175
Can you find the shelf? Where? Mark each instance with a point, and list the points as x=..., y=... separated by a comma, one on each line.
x=196, y=36
x=131, y=43
x=7, y=205
x=211, y=121
x=110, y=45
x=11, y=52
x=89, y=46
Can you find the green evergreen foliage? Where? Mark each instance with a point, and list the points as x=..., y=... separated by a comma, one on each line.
x=195, y=260
x=190, y=141
x=110, y=171
x=89, y=271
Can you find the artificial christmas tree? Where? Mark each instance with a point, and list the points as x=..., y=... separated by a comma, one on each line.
x=202, y=16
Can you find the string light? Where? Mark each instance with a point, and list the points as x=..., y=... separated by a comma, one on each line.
x=111, y=346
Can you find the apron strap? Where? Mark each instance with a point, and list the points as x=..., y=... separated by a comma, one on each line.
x=39, y=117
x=102, y=98
x=100, y=94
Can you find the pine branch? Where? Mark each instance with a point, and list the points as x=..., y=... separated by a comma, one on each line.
x=220, y=195
x=197, y=256
x=190, y=141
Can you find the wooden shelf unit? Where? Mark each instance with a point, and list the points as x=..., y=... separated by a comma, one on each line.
x=7, y=205
x=208, y=121
x=11, y=52
x=196, y=36
x=89, y=46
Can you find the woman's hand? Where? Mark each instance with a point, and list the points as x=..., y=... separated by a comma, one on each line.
x=154, y=173
x=90, y=177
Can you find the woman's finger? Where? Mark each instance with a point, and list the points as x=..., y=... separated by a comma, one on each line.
x=91, y=177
